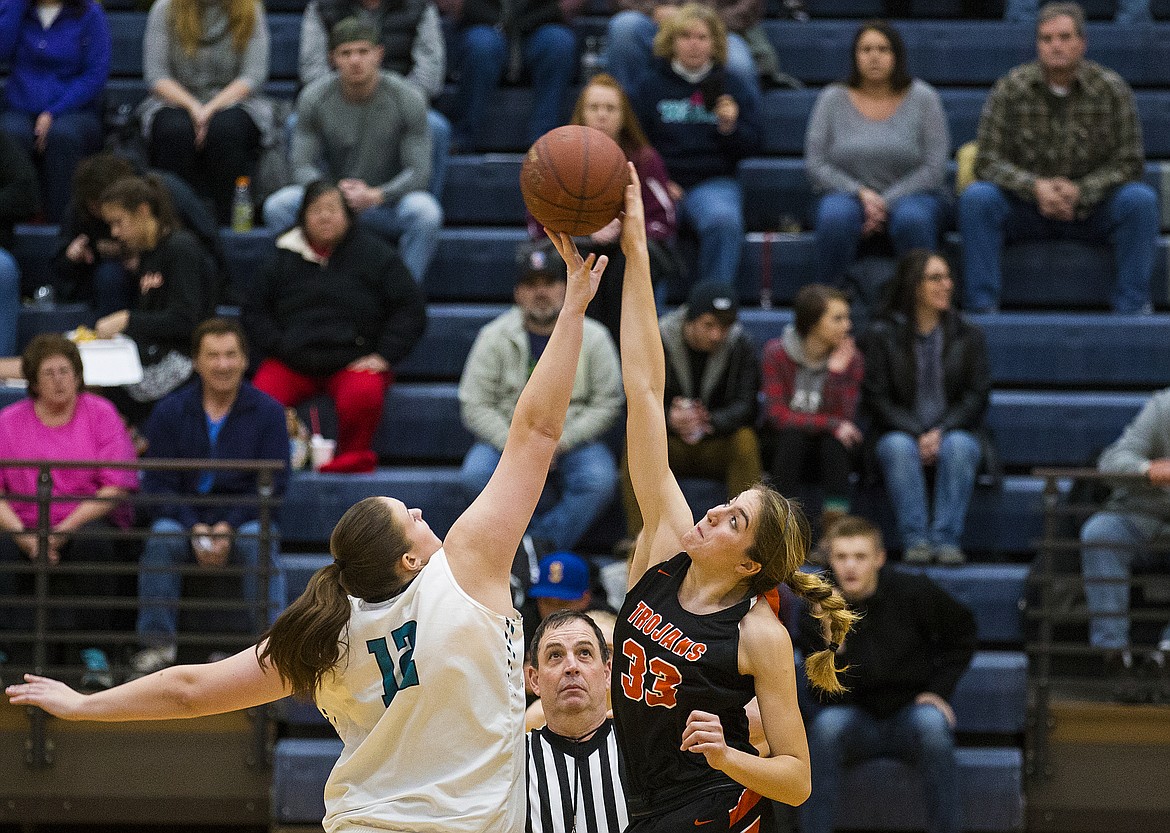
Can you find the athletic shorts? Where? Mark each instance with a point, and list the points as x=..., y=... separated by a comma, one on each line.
x=741, y=811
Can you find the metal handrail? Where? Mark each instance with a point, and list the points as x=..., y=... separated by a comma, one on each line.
x=42, y=602
x=1045, y=647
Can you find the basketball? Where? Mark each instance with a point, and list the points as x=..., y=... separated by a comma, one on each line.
x=573, y=180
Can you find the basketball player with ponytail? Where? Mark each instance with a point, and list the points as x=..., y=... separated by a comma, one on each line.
x=409, y=645
x=696, y=639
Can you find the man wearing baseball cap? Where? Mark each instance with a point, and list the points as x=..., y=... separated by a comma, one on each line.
x=712, y=380
x=584, y=472
x=563, y=583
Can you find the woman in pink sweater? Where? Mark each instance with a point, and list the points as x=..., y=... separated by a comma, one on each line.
x=59, y=421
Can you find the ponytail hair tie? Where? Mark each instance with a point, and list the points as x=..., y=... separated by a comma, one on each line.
x=834, y=646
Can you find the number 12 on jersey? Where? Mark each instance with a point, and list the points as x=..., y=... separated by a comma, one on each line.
x=396, y=675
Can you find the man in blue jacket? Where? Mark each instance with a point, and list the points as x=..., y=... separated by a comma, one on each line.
x=217, y=416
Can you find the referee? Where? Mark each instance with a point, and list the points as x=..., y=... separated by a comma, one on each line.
x=574, y=769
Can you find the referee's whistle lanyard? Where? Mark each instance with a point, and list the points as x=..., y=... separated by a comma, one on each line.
x=577, y=741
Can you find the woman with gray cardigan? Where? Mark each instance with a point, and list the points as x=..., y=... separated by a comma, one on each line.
x=876, y=152
x=206, y=62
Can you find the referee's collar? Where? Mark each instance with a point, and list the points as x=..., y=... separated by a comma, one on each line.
x=575, y=748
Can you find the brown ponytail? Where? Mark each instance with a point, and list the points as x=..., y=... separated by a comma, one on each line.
x=305, y=641
x=825, y=603
x=781, y=548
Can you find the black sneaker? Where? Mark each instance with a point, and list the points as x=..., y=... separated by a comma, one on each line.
x=1156, y=672
x=1125, y=684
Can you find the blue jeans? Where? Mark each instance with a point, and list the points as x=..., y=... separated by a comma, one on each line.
x=73, y=136
x=550, y=56
x=914, y=222
x=159, y=587
x=916, y=734
x=714, y=209
x=954, y=479
x=629, y=42
x=414, y=221
x=586, y=476
x=1129, y=535
x=440, y=150
x=1128, y=219
x=9, y=303
x=1128, y=11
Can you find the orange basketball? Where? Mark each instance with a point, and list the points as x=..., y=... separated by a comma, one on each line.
x=573, y=180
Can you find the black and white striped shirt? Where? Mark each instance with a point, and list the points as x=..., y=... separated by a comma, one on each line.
x=567, y=779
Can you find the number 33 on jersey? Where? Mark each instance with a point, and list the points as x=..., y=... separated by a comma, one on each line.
x=655, y=679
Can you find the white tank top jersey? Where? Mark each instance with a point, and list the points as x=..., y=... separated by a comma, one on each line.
x=429, y=702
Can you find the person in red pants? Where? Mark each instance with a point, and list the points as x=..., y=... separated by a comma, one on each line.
x=333, y=310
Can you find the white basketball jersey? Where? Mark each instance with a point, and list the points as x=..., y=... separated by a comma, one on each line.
x=429, y=702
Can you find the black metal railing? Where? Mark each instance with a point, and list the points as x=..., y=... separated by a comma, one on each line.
x=46, y=648
x=1062, y=661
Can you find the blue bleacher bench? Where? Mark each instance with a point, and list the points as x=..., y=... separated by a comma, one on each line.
x=881, y=794
x=1023, y=423
x=884, y=794
x=1004, y=521
x=315, y=502
x=421, y=422
x=966, y=53
x=993, y=592
x=300, y=768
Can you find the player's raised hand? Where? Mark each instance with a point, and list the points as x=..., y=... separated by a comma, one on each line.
x=584, y=274
x=634, y=216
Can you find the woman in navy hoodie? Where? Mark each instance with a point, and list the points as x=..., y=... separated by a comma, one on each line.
x=703, y=121
x=58, y=53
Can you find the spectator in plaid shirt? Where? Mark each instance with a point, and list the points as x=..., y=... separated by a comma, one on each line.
x=1060, y=156
x=812, y=383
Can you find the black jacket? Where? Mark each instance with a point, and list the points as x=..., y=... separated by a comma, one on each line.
x=889, y=386
x=317, y=318
x=254, y=429
x=730, y=386
x=75, y=280
x=18, y=188
x=163, y=317
x=912, y=637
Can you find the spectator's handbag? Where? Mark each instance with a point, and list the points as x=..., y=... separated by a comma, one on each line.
x=162, y=377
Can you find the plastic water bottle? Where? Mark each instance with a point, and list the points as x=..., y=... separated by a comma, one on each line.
x=242, y=205
x=591, y=60
x=44, y=297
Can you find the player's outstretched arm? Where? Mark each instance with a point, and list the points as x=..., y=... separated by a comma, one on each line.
x=665, y=513
x=482, y=543
x=238, y=682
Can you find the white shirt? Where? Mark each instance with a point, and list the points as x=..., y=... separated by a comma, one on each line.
x=429, y=702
